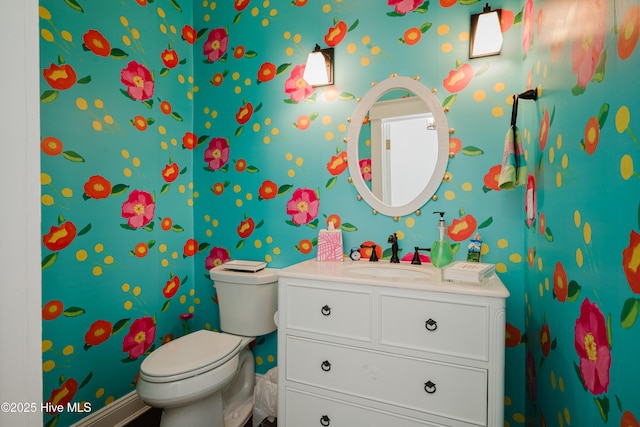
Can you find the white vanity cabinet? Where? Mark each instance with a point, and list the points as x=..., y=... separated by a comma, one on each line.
x=385, y=351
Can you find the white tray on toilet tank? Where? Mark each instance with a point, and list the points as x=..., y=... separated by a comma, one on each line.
x=249, y=266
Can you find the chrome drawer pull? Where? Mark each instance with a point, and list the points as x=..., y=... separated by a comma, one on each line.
x=326, y=366
x=324, y=420
x=431, y=325
x=326, y=310
x=430, y=387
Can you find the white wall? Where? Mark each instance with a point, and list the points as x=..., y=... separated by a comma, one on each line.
x=20, y=280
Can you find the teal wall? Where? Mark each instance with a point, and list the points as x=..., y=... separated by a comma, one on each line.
x=107, y=301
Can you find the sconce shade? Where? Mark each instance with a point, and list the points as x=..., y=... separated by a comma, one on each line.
x=485, y=35
x=319, y=68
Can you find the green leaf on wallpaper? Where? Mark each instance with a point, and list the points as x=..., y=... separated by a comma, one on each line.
x=117, y=53
x=548, y=235
x=609, y=332
x=449, y=101
x=176, y=5
x=517, y=19
x=165, y=188
x=85, y=230
x=579, y=374
x=84, y=80
x=125, y=93
x=346, y=96
x=260, y=224
x=425, y=27
x=203, y=246
x=292, y=223
x=332, y=181
x=472, y=151
x=598, y=75
x=149, y=227
x=49, y=260
x=283, y=189
x=282, y=68
x=165, y=306
x=202, y=139
x=573, y=291
x=74, y=5
x=603, y=114
x=250, y=54
x=348, y=227
x=201, y=33
x=74, y=312
x=630, y=311
x=120, y=325
x=238, y=131
x=86, y=380
x=48, y=96
x=354, y=25
x=53, y=421
x=236, y=19
x=176, y=116
x=482, y=70
x=578, y=90
x=240, y=244
x=72, y=156
x=468, y=2
x=313, y=224
x=252, y=169
x=148, y=103
x=603, y=406
x=119, y=189
x=177, y=228
x=486, y=223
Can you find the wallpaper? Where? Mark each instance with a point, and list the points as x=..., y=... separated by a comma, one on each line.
x=178, y=135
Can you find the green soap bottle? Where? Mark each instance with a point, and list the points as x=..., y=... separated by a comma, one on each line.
x=441, y=253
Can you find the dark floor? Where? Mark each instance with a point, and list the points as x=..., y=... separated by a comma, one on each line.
x=151, y=418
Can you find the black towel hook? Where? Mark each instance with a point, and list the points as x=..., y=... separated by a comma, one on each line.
x=529, y=94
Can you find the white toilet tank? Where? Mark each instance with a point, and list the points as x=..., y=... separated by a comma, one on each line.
x=247, y=301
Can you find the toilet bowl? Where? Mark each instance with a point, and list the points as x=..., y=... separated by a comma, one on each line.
x=207, y=378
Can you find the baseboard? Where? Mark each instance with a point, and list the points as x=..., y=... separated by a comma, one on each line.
x=116, y=414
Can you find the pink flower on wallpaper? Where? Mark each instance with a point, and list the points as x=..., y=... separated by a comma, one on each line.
x=303, y=206
x=217, y=256
x=405, y=6
x=140, y=337
x=296, y=86
x=592, y=345
x=138, y=209
x=365, y=169
x=217, y=154
x=137, y=78
x=527, y=27
x=588, y=43
x=216, y=44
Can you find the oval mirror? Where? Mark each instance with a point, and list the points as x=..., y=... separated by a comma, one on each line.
x=398, y=146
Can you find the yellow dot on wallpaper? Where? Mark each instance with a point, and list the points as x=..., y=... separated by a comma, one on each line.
x=173, y=29
x=45, y=178
x=137, y=290
x=507, y=401
x=209, y=233
x=97, y=270
x=183, y=299
x=515, y=258
x=273, y=12
x=342, y=127
x=207, y=125
x=135, y=34
x=256, y=127
x=47, y=35
x=565, y=161
x=587, y=233
x=268, y=258
x=271, y=358
x=163, y=29
x=99, y=247
x=560, y=420
x=126, y=40
x=326, y=8
x=46, y=345
x=97, y=126
x=559, y=142
x=127, y=305
x=269, y=239
x=47, y=200
x=267, y=121
x=249, y=196
x=81, y=255
x=81, y=103
x=288, y=51
x=99, y=392
x=501, y=267
x=446, y=47
x=552, y=155
x=503, y=243
x=558, y=180
x=484, y=249
x=479, y=95
x=299, y=161
x=276, y=251
x=108, y=119
x=351, y=48
x=174, y=255
x=288, y=156
x=467, y=186
x=499, y=87
x=291, y=173
x=497, y=112
x=162, y=130
x=109, y=400
x=561, y=383
x=623, y=116
x=443, y=29
x=519, y=418
x=375, y=50
x=567, y=416
x=44, y=13
x=540, y=290
x=266, y=140
x=135, y=161
x=286, y=35
x=67, y=350
x=257, y=243
x=579, y=257
x=410, y=222
x=255, y=11
x=239, y=203
x=124, y=21
x=626, y=167
x=125, y=287
x=364, y=62
x=108, y=260
x=162, y=248
x=540, y=264
x=237, y=90
x=275, y=131
x=164, y=145
x=449, y=195
x=546, y=283
x=191, y=309
x=164, y=263
x=576, y=218
x=196, y=300
x=66, y=35
x=48, y=365
x=366, y=40
x=181, y=188
x=161, y=13
x=463, y=36
x=215, y=223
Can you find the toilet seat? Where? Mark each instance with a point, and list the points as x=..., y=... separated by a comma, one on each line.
x=190, y=355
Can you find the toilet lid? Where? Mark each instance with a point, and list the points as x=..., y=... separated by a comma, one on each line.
x=192, y=352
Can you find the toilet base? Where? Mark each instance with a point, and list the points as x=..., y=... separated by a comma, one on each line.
x=205, y=412
x=240, y=416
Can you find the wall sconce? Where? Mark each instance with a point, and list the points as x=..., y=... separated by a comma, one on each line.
x=319, y=68
x=485, y=36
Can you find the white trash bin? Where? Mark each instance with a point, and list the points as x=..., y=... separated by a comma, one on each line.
x=265, y=397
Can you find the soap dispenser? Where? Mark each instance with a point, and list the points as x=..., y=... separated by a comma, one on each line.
x=441, y=253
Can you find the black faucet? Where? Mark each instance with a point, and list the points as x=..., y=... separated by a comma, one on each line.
x=393, y=239
x=374, y=256
x=416, y=255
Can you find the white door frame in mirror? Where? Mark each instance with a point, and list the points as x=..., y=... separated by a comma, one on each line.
x=433, y=105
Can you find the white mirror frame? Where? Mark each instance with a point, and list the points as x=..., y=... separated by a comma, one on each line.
x=398, y=83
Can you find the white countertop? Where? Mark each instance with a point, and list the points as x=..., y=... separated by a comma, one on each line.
x=345, y=272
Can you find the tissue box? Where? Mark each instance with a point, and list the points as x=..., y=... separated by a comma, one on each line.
x=468, y=272
x=329, y=245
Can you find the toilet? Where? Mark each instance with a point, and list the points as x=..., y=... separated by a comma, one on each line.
x=207, y=378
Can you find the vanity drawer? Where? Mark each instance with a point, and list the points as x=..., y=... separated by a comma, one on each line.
x=339, y=313
x=306, y=409
x=447, y=390
x=452, y=328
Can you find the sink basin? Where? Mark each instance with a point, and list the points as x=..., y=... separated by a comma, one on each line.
x=400, y=271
